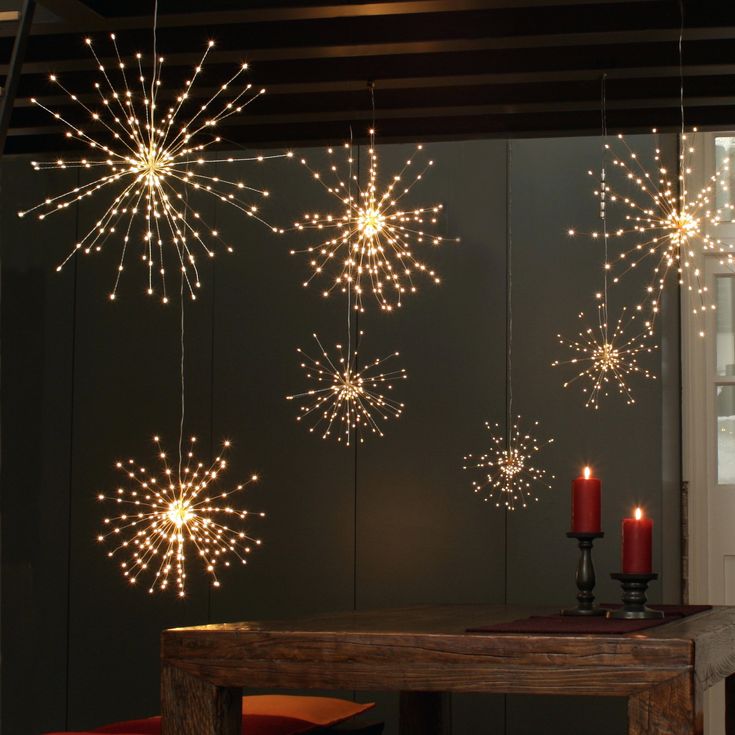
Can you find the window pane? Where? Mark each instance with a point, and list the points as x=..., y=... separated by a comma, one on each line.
x=725, y=153
x=725, y=286
x=726, y=434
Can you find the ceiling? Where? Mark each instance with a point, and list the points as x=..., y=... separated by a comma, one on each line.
x=440, y=68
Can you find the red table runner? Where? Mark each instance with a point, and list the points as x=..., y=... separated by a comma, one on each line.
x=571, y=625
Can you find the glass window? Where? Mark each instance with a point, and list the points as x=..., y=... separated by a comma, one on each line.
x=725, y=153
x=726, y=434
x=725, y=340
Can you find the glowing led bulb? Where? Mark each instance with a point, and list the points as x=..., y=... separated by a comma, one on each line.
x=347, y=398
x=510, y=474
x=369, y=223
x=152, y=166
x=367, y=245
x=163, y=520
x=606, y=359
x=664, y=225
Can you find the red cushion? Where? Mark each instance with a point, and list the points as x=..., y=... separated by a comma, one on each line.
x=251, y=724
x=268, y=714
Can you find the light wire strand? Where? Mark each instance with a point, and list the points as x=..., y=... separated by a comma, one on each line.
x=183, y=382
x=682, y=166
x=509, y=294
x=603, y=198
x=681, y=67
x=151, y=136
x=349, y=279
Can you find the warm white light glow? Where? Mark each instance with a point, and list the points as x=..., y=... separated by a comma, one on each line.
x=162, y=521
x=587, y=473
x=605, y=360
x=510, y=475
x=638, y=514
x=665, y=225
x=347, y=398
x=369, y=242
x=147, y=154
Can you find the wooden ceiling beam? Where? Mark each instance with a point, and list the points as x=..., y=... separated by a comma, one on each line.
x=576, y=86
x=92, y=21
x=526, y=124
x=449, y=111
x=431, y=83
x=596, y=40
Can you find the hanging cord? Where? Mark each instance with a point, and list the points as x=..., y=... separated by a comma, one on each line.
x=153, y=70
x=181, y=302
x=181, y=423
x=371, y=89
x=349, y=245
x=682, y=187
x=509, y=296
x=603, y=196
x=681, y=66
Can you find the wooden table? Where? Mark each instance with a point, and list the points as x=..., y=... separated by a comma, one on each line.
x=424, y=652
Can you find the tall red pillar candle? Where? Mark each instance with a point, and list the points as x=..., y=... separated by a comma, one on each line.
x=637, y=544
x=586, y=503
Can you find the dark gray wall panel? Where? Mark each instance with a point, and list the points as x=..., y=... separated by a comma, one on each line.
x=37, y=332
x=423, y=535
x=262, y=315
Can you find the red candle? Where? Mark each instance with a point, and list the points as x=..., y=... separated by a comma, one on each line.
x=586, y=504
x=637, y=544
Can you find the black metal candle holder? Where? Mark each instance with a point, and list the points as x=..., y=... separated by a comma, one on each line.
x=634, y=597
x=585, y=577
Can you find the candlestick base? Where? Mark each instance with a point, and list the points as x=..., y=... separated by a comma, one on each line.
x=634, y=597
x=585, y=577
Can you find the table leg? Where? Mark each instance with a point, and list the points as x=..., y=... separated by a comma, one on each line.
x=192, y=706
x=730, y=705
x=424, y=713
x=671, y=708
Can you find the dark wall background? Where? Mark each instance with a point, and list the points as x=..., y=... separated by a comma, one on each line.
x=393, y=522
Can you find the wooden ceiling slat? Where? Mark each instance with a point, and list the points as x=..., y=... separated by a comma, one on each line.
x=304, y=13
x=502, y=27
x=518, y=65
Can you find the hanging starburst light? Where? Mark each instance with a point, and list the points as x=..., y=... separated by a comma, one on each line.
x=162, y=522
x=147, y=154
x=605, y=359
x=510, y=476
x=369, y=242
x=667, y=225
x=346, y=396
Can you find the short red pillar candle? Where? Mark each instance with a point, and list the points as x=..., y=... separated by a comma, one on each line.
x=586, y=504
x=637, y=544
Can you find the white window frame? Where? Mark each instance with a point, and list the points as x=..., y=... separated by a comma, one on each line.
x=699, y=415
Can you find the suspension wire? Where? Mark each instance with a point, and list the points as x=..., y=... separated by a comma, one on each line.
x=682, y=187
x=681, y=66
x=349, y=279
x=509, y=295
x=151, y=136
x=181, y=372
x=603, y=196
